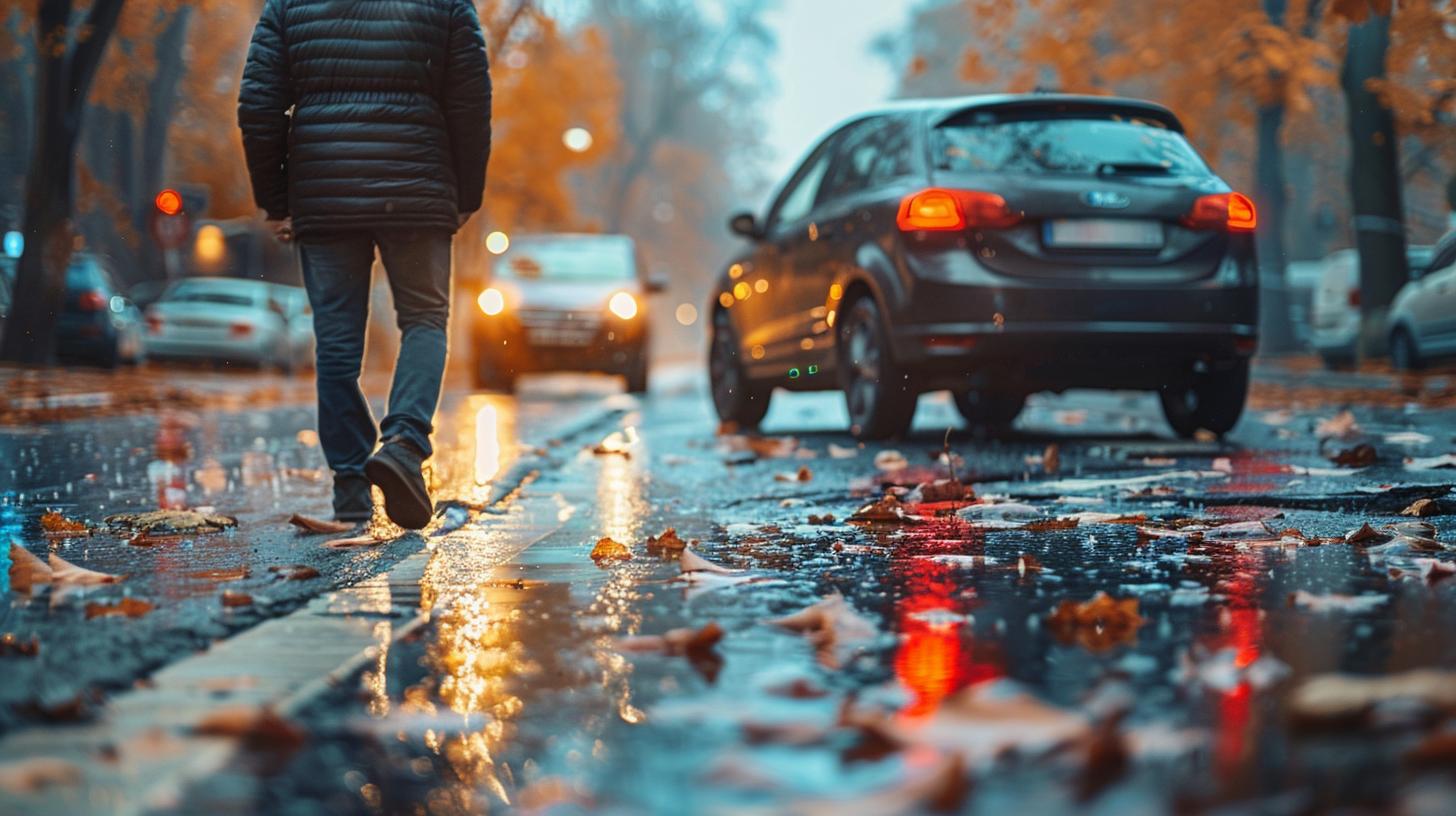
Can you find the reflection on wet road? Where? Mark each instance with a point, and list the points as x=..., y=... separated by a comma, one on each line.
x=972, y=662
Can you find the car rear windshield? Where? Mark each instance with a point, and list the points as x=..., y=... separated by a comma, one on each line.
x=582, y=260
x=227, y=294
x=988, y=142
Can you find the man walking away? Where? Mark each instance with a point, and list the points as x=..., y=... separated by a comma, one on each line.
x=366, y=125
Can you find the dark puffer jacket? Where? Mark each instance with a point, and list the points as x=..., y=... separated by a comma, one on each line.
x=362, y=114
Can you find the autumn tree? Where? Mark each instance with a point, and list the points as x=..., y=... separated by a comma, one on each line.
x=69, y=46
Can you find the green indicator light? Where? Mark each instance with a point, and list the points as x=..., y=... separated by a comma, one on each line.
x=793, y=373
x=813, y=370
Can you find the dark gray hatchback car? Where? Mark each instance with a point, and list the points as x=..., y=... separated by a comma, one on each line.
x=993, y=246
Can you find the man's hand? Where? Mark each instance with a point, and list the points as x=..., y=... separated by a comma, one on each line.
x=282, y=229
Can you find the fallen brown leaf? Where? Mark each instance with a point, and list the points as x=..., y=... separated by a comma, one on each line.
x=1098, y=624
x=295, y=572
x=12, y=645
x=942, y=490
x=57, y=525
x=234, y=600
x=64, y=573
x=318, y=526
x=676, y=642
x=1051, y=459
x=26, y=570
x=608, y=549
x=221, y=575
x=1339, y=426
x=1360, y=456
x=666, y=544
x=888, y=510
x=125, y=608
x=1106, y=760
x=259, y=729
x=803, y=474
x=366, y=540
x=33, y=775
x=690, y=561
x=1423, y=508
x=1435, y=751
x=826, y=519
x=798, y=689
x=831, y=626
x=173, y=522
x=1367, y=535
x=1051, y=525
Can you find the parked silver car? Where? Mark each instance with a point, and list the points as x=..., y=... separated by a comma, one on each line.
x=1423, y=317
x=234, y=320
x=1335, y=311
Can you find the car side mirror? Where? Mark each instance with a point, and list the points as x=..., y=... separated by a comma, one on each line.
x=746, y=225
x=655, y=284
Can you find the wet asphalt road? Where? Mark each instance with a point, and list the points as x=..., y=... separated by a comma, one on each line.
x=522, y=694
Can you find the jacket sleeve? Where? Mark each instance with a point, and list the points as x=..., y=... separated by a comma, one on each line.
x=263, y=112
x=467, y=105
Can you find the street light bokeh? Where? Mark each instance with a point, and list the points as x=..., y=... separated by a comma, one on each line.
x=577, y=140
x=497, y=242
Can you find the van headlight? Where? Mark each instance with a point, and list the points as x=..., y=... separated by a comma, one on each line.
x=623, y=305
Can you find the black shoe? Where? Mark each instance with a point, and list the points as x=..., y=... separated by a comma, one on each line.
x=353, y=499
x=396, y=470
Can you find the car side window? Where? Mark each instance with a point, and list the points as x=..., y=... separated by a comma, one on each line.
x=873, y=153
x=798, y=201
x=1445, y=257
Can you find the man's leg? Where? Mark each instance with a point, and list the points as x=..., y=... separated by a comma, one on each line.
x=418, y=265
x=336, y=271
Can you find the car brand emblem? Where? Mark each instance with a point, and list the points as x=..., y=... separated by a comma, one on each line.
x=1106, y=200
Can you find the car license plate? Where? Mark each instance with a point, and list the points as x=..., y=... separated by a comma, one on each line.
x=559, y=337
x=1103, y=233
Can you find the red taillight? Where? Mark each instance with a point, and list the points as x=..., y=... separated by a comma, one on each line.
x=1354, y=298
x=91, y=301
x=1225, y=211
x=241, y=329
x=954, y=210
x=154, y=325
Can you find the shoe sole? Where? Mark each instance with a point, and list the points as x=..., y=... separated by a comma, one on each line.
x=402, y=503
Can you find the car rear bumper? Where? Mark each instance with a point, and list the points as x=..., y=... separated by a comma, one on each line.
x=1052, y=335
x=251, y=352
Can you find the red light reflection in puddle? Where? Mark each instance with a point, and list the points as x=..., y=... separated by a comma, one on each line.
x=1242, y=629
x=1252, y=472
x=936, y=656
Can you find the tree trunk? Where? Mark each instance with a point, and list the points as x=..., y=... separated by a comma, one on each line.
x=1276, y=325
x=1375, y=183
x=63, y=78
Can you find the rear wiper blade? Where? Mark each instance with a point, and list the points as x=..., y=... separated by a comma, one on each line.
x=1133, y=169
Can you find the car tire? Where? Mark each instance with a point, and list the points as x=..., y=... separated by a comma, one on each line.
x=488, y=377
x=880, y=398
x=737, y=399
x=989, y=411
x=1405, y=354
x=1211, y=401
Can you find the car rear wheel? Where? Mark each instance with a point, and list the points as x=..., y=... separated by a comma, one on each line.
x=879, y=396
x=989, y=411
x=1211, y=401
x=737, y=399
x=1405, y=355
x=490, y=377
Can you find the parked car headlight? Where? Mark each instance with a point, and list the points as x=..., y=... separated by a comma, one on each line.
x=492, y=302
x=623, y=305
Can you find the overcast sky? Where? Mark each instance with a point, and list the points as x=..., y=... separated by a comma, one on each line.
x=825, y=69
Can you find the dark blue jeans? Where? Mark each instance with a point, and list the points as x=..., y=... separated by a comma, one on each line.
x=337, y=269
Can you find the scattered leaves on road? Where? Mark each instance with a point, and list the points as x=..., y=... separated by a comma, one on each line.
x=891, y=460
x=315, y=526
x=1339, y=426
x=124, y=608
x=667, y=544
x=1360, y=456
x=803, y=474
x=352, y=542
x=172, y=522
x=1348, y=700
x=221, y=575
x=690, y=561
x=1423, y=508
x=832, y=626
